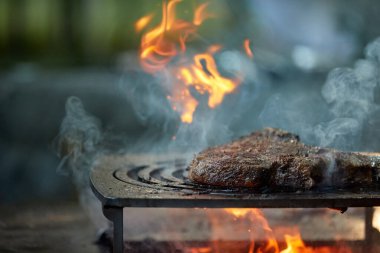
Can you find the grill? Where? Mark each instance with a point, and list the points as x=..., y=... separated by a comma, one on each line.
x=164, y=183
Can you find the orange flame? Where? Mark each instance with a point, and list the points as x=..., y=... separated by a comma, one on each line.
x=256, y=216
x=201, y=14
x=204, y=76
x=143, y=22
x=163, y=44
x=247, y=48
x=200, y=250
x=294, y=243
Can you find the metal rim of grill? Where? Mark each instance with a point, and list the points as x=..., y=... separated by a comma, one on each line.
x=164, y=183
x=173, y=175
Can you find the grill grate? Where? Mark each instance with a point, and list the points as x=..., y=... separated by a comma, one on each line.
x=169, y=175
x=164, y=183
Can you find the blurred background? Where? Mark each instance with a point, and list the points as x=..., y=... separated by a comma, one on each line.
x=53, y=49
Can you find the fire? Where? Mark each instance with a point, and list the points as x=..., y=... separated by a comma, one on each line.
x=247, y=48
x=294, y=242
x=295, y=245
x=163, y=48
x=168, y=39
x=200, y=250
x=143, y=22
x=203, y=76
x=201, y=14
x=255, y=216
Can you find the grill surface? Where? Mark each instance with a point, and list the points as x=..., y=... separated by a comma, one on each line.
x=164, y=183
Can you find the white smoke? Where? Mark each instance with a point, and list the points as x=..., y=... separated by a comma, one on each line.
x=79, y=144
x=339, y=117
x=350, y=94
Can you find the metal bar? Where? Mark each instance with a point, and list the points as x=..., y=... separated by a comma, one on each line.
x=368, y=233
x=115, y=214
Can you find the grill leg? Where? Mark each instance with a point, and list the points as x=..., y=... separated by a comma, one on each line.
x=115, y=214
x=368, y=229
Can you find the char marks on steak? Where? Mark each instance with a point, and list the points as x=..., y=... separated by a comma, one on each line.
x=277, y=159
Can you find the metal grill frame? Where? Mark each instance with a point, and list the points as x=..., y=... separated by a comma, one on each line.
x=115, y=194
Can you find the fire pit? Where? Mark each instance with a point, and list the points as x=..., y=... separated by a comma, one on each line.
x=163, y=183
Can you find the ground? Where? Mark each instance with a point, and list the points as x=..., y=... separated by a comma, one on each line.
x=46, y=227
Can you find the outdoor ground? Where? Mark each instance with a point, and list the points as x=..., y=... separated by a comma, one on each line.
x=46, y=227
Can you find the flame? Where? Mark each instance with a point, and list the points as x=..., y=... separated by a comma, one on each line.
x=143, y=22
x=238, y=212
x=206, y=78
x=295, y=245
x=247, y=48
x=257, y=217
x=200, y=250
x=294, y=242
x=166, y=43
x=182, y=101
x=201, y=14
x=159, y=45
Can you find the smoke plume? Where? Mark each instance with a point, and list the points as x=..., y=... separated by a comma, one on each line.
x=348, y=104
x=79, y=144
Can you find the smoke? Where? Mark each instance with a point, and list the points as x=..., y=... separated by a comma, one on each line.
x=350, y=94
x=147, y=97
x=79, y=144
x=80, y=134
x=339, y=116
x=164, y=132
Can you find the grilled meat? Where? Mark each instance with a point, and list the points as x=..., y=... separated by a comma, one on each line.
x=277, y=159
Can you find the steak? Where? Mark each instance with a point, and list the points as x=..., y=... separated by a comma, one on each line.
x=278, y=160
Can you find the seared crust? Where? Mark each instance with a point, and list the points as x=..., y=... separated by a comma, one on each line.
x=277, y=159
